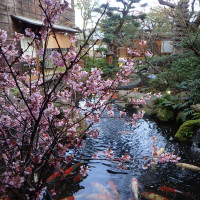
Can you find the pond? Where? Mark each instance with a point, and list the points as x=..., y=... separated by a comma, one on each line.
x=136, y=141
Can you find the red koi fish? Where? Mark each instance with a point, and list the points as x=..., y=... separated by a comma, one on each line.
x=153, y=196
x=172, y=190
x=71, y=169
x=67, y=172
x=69, y=198
x=98, y=197
x=78, y=178
x=53, y=176
x=114, y=189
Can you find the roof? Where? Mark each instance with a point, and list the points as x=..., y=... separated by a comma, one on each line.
x=109, y=53
x=40, y=23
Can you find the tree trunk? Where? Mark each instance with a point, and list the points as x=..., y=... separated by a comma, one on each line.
x=115, y=56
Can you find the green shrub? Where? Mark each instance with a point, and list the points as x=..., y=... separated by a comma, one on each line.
x=182, y=76
x=108, y=70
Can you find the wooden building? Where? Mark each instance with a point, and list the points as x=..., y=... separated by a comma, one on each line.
x=158, y=47
x=17, y=15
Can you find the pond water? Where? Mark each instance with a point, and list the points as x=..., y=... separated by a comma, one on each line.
x=123, y=139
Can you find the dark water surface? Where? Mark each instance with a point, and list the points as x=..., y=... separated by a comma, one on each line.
x=136, y=141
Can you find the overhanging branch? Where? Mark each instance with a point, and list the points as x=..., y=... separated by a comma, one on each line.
x=165, y=3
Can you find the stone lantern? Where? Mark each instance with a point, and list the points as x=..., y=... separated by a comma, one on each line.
x=109, y=56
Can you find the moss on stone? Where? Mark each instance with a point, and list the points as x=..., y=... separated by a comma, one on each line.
x=149, y=111
x=187, y=129
x=165, y=114
x=179, y=117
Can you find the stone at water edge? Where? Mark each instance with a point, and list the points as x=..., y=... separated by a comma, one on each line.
x=187, y=130
x=165, y=114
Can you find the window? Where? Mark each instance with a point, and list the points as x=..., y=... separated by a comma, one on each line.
x=24, y=45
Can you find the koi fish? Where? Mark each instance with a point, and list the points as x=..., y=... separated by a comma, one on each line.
x=98, y=197
x=71, y=169
x=114, y=189
x=67, y=172
x=126, y=132
x=135, y=186
x=152, y=196
x=160, y=151
x=100, y=188
x=172, y=190
x=74, y=197
x=115, y=95
x=78, y=178
x=69, y=198
x=188, y=166
x=53, y=176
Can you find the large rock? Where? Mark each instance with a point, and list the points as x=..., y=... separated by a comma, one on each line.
x=187, y=130
x=195, y=107
x=165, y=114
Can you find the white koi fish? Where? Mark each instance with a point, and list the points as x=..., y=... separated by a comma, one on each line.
x=135, y=186
x=100, y=188
x=114, y=189
x=98, y=197
x=188, y=166
x=161, y=150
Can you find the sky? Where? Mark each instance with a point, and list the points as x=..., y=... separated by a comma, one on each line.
x=151, y=3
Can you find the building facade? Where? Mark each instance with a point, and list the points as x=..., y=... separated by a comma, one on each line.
x=17, y=15
x=29, y=9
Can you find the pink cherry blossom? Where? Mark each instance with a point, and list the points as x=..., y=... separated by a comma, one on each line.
x=30, y=33
x=48, y=2
x=148, y=54
x=3, y=36
x=143, y=42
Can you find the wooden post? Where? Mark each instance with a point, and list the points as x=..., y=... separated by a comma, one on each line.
x=37, y=58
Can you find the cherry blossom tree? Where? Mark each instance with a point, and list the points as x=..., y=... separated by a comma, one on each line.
x=40, y=123
x=41, y=126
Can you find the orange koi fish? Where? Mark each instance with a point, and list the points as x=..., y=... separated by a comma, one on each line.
x=114, y=189
x=135, y=186
x=153, y=196
x=100, y=188
x=172, y=190
x=115, y=95
x=98, y=197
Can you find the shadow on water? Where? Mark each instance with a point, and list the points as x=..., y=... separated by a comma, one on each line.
x=123, y=139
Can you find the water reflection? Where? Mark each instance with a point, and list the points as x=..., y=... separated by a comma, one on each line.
x=136, y=141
